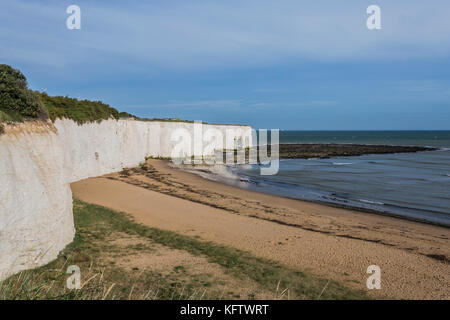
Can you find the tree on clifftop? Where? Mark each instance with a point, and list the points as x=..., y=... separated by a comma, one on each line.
x=16, y=100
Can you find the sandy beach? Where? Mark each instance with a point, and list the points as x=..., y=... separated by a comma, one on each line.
x=335, y=243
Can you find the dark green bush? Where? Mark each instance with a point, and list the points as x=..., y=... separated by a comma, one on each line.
x=16, y=100
x=126, y=115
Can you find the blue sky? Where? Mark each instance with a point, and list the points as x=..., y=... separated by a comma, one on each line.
x=307, y=65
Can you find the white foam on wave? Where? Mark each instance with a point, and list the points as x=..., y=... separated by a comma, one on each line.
x=342, y=163
x=246, y=166
x=224, y=172
x=215, y=172
x=371, y=202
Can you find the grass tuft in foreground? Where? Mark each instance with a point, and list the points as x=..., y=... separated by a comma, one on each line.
x=104, y=275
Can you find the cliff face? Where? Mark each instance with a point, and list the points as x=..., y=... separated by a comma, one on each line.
x=35, y=198
x=39, y=160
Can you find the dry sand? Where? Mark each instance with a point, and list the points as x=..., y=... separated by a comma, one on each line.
x=165, y=261
x=334, y=243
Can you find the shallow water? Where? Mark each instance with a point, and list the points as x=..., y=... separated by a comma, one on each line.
x=411, y=185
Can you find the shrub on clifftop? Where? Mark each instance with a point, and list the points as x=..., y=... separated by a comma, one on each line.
x=80, y=111
x=17, y=103
x=16, y=100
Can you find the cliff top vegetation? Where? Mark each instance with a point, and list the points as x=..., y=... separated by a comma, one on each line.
x=16, y=100
x=19, y=103
x=81, y=111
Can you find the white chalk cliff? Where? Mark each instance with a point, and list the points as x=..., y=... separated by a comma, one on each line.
x=39, y=160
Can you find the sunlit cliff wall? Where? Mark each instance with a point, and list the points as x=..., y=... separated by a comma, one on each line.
x=39, y=160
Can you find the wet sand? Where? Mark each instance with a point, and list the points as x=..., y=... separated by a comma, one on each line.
x=335, y=243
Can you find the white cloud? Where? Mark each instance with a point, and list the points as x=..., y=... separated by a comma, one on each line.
x=203, y=34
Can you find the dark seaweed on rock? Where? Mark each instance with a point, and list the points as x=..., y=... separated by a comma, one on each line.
x=305, y=151
x=326, y=150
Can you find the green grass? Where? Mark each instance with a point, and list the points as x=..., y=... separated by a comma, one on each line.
x=95, y=224
x=10, y=116
x=157, y=158
x=81, y=111
x=166, y=120
x=100, y=277
x=129, y=115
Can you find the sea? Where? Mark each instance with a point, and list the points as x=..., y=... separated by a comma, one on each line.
x=413, y=186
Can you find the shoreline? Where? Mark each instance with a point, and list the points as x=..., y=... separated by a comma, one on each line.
x=376, y=212
x=192, y=169
x=331, y=242
x=354, y=208
x=322, y=151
